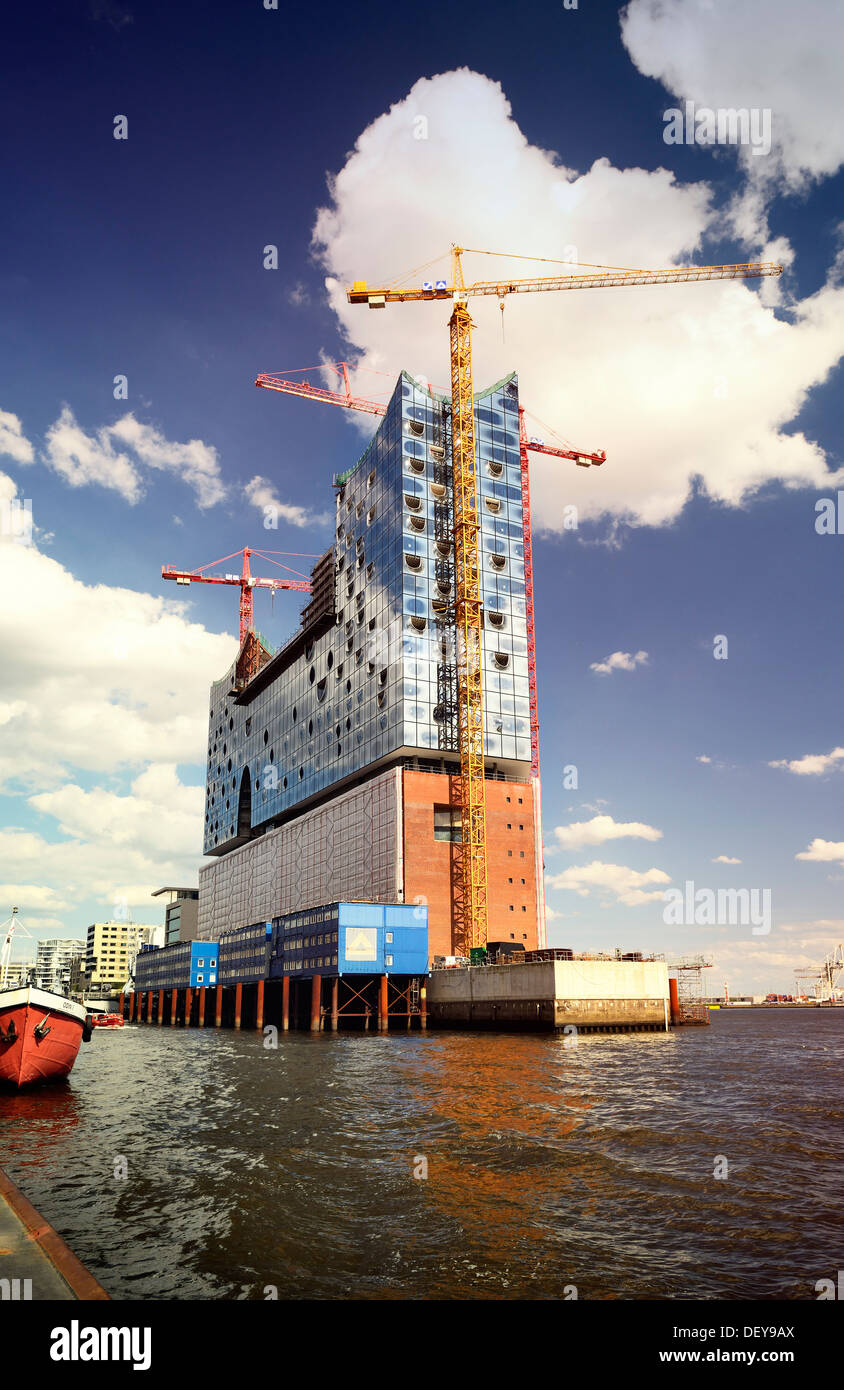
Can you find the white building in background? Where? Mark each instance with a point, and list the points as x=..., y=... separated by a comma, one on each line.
x=54, y=962
x=18, y=972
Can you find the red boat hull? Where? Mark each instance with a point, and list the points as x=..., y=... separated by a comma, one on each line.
x=40, y=1035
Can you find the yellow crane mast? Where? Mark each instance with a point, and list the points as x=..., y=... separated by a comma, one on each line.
x=471, y=925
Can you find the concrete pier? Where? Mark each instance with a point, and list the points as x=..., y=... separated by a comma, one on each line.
x=590, y=995
x=36, y=1263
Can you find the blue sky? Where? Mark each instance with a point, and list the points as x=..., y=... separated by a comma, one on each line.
x=719, y=408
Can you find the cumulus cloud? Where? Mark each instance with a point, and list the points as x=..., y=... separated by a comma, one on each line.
x=625, y=370
x=115, y=875
x=627, y=886
x=813, y=764
x=13, y=442
x=824, y=852
x=84, y=459
x=726, y=859
x=37, y=896
x=100, y=681
x=158, y=813
x=602, y=828
x=261, y=493
x=195, y=463
x=619, y=661
x=764, y=54
x=703, y=758
x=97, y=678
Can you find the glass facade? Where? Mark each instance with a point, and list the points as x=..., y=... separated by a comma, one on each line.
x=379, y=681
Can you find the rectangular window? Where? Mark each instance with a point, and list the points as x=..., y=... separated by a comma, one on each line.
x=388, y=937
x=447, y=824
x=199, y=979
x=388, y=960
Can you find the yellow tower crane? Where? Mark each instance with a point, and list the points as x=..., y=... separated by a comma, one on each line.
x=470, y=928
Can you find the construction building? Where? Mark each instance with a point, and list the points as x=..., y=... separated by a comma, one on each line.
x=334, y=763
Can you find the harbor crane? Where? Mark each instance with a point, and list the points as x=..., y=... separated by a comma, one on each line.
x=245, y=581
x=471, y=928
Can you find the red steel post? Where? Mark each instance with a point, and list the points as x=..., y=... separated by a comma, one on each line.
x=335, y=998
x=188, y=1006
x=200, y=1016
x=316, y=1000
x=285, y=1003
x=238, y=1001
x=423, y=1007
x=382, y=1004
x=160, y=1007
x=674, y=998
x=218, y=1017
x=174, y=1006
x=259, y=1006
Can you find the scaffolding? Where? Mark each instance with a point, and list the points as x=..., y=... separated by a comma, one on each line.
x=688, y=971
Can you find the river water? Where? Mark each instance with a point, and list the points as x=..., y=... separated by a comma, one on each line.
x=202, y=1165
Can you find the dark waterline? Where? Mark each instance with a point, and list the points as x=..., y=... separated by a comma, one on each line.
x=548, y=1166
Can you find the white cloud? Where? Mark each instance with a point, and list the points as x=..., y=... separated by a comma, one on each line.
x=37, y=897
x=82, y=459
x=13, y=443
x=261, y=493
x=97, y=678
x=160, y=815
x=824, y=852
x=115, y=875
x=752, y=53
x=647, y=361
x=628, y=886
x=619, y=661
x=600, y=829
x=813, y=764
x=726, y=859
x=195, y=462
x=703, y=758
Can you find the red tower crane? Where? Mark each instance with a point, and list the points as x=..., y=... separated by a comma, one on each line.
x=246, y=581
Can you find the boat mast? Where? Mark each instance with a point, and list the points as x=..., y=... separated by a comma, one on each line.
x=6, y=952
